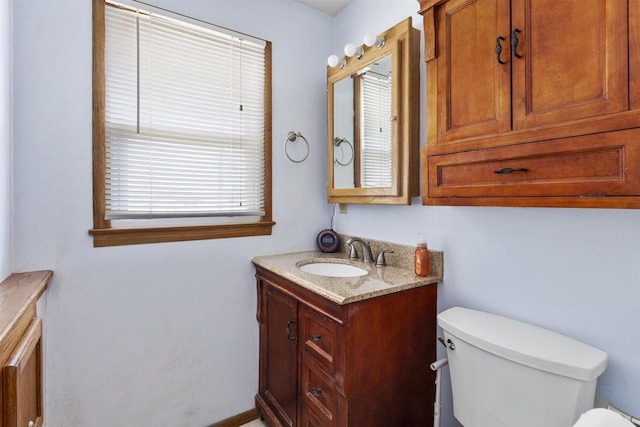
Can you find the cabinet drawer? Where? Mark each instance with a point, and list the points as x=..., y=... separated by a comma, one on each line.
x=591, y=165
x=319, y=337
x=22, y=381
x=308, y=419
x=318, y=391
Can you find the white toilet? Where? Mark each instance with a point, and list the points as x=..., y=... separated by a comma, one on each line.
x=506, y=373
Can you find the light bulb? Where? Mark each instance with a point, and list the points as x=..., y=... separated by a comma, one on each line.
x=334, y=61
x=350, y=49
x=371, y=39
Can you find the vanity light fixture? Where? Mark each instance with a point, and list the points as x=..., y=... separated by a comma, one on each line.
x=334, y=61
x=371, y=39
x=350, y=49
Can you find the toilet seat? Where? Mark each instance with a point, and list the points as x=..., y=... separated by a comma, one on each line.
x=600, y=417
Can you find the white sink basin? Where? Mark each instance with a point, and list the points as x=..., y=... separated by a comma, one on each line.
x=332, y=269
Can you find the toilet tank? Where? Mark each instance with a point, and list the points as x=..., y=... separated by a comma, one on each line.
x=506, y=373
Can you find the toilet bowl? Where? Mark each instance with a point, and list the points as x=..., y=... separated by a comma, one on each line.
x=601, y=417
x=506, y=373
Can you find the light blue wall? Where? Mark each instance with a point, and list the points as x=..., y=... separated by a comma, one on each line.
x=575, y=271
x=162, y=334
x=5, y=138
x=165, y=334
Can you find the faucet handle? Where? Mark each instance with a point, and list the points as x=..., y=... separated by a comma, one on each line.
x=353, y=254
x=381, y=262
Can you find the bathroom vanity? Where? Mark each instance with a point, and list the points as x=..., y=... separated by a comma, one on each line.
x=345, y=351
x=21, y=349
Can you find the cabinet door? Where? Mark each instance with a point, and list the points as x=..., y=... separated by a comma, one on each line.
x=278, y=354
x=572, y=60
x=22, y=381
x=473, y=81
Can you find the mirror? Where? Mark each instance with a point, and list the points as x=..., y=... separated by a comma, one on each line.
x=362, y=126
x=373, y=126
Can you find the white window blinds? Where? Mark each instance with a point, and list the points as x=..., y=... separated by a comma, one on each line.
x=376, y=166
x=184, y=113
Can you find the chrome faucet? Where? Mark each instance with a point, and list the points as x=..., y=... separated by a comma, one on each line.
x=381, y=261
x=367, y=256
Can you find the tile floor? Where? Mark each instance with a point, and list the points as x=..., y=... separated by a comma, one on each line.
x=254, y=423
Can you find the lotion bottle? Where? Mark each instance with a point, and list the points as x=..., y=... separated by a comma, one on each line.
x=422, y=259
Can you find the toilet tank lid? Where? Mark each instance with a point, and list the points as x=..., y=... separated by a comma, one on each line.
x=524, y=343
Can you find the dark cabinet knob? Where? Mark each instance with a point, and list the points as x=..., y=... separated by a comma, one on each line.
x=290, y=335
x=498, y=49
x=507, y=171
x=514, y=42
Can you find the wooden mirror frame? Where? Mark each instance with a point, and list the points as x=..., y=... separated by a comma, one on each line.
x=402, y=42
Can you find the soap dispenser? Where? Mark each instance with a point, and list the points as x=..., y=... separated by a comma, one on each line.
x=422, y=266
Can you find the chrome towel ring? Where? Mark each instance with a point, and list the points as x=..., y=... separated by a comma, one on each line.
x=292, y=136
x=337, y=142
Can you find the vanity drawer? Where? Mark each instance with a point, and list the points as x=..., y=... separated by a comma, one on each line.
x=318, y=391
x=309, y=419
x=594, y=165
x=319, y=336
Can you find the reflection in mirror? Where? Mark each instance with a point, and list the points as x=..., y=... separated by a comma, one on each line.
x=373, y=125
x=374, y=110
x=345, y=159
x=362, y=127
x=343, y=108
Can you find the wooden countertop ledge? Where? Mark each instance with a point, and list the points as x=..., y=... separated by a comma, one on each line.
x=18, y=295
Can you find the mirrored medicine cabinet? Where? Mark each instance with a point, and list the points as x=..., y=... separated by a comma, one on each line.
x=373, y=107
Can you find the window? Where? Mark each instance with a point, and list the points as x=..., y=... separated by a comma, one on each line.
x=182, y=125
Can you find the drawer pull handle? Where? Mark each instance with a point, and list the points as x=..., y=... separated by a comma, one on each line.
x=507, y=171
x=316, y=338
x=31, y=424
x=288, y=330
x=515, y=42
x=498, y=49
x=316, y=392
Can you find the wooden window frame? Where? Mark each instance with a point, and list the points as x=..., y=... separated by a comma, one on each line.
x=106, y=235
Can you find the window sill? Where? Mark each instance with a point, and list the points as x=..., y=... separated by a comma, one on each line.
x=133, y=236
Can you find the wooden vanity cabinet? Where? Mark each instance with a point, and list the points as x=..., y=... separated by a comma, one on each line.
x=22, y=381
x=21, y=350
x=364, y=363
x=532, y=77
x=278, y=353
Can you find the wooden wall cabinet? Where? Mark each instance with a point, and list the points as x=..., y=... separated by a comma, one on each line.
x=364, y=363
x=397, y=181
x=21, y=350
x=532, y=103
x=22, y=381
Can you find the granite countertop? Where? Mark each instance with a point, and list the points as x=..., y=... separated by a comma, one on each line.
x=344, y=290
